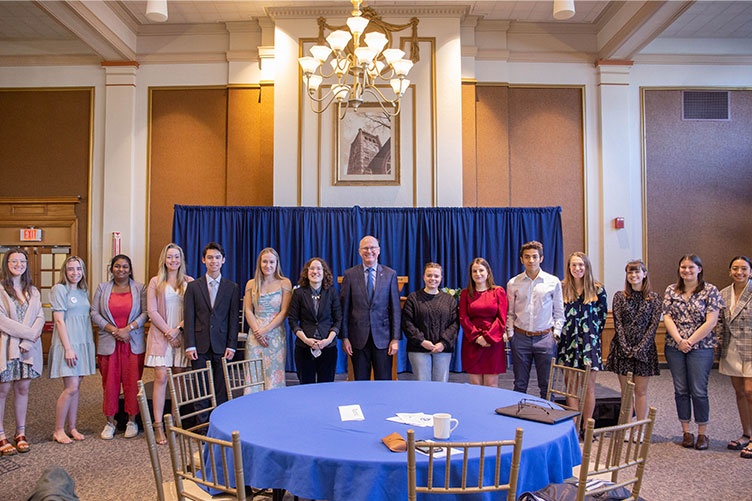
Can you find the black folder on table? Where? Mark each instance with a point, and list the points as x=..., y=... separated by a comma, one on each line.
x=541, y=411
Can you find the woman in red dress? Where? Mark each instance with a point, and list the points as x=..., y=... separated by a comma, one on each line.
x=483, y=317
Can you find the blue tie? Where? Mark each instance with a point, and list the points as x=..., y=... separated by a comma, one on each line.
x=369, y=287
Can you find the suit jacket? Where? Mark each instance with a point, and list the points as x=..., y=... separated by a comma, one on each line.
x=736, y=322
x=211, y=328
x=101, y=315
x=379, y=317
x=302, y=315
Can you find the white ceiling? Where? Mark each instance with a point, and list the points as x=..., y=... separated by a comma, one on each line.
x=50, y=28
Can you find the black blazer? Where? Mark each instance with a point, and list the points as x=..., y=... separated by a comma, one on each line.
x=301, y=315
x=206, y=327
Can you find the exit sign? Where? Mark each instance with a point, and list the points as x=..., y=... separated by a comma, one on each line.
x=31, y=235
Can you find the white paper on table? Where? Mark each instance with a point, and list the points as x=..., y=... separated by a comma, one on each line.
x=419, y=419
x=351, y=413
x=439, y=454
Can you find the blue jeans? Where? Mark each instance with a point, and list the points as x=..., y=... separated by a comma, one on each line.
x=690, y=372
x=525, y=350
x=430, y=366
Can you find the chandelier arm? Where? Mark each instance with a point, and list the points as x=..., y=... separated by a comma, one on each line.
x=381, y=99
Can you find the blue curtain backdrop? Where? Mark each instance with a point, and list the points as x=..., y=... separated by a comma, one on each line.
x=409, y=238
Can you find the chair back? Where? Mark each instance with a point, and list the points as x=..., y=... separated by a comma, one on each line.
x=569, y=382
x=627, y=402
x=151, y=442
x=220, y=463
x=188, y=389
x=243, y=377
x=463, y=484
x=613, y=449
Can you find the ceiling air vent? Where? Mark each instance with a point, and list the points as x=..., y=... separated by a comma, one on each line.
x=705, y=105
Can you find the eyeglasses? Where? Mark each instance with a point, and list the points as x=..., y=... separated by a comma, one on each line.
x=534, y=404
x=369, y=249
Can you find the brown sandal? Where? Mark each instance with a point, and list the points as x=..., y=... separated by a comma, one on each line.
x=159, y=434
x=6, y=448
x=21, y=444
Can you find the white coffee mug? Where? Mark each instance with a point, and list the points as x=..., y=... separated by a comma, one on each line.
x=442, y=425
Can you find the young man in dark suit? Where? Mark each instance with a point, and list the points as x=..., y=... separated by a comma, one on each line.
x=211, y=318
x=370, y=314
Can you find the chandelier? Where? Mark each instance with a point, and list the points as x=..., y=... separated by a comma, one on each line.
x=361, y=63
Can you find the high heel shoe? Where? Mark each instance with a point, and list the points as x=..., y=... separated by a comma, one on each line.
x=159, y=433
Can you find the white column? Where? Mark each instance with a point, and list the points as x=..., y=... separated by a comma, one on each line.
x=621, y=191
x=123, y=200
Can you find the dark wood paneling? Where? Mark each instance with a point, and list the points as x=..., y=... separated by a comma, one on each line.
x=528, y=152
x=188, y=132
x=699, y=186
x=45, y=144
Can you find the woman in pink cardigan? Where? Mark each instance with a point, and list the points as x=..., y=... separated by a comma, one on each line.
x=21, y=322
x=165, y=346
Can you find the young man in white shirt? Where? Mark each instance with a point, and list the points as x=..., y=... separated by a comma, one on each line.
x=534, y=319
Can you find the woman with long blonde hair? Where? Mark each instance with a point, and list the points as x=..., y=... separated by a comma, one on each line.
x=266, y=301
x=585, y=310
x=72, y=351
x=165, y=346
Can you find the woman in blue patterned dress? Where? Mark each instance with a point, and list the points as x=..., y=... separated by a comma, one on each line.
x=72, y=351
x=267, y=298
x=690, y=312
x=585, y=309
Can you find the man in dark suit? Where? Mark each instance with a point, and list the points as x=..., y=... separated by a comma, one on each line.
x=211, y=318
x=370, y=314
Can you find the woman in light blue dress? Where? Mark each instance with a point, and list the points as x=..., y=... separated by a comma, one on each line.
x=72, y=352
x=267, y=298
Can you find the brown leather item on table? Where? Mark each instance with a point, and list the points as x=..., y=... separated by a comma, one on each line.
x=395, y=442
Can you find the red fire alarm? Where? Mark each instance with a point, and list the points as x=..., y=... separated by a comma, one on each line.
x=619, y=223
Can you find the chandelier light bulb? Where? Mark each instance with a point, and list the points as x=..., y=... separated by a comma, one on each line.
x=314, y=81
x=402, y=67
x=338, y=40
x=357, y=25
x=391, y=55
x=376, y=41
x=309, y=64
x=320, y=52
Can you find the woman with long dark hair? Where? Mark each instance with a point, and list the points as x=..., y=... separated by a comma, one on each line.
x=21, y=322
x=735, y=330
x=636, y=312
x=119, y=310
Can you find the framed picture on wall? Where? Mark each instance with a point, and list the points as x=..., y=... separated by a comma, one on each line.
x=367, y=147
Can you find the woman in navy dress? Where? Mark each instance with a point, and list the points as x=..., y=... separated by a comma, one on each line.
x=483, y=317
x=585, y=309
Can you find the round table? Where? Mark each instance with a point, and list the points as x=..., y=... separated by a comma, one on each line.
x=293, y=438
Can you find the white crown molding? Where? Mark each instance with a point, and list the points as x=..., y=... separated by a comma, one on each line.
x=183, y=58
x=551, y=57
x=53, y=60
x=689, y=59
x=174, y=30
x=343, y=11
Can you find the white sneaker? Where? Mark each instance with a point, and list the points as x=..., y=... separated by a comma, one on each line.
x=108, y=433
x=131, y=429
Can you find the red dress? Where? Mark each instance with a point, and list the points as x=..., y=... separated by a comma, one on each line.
x=483, y=314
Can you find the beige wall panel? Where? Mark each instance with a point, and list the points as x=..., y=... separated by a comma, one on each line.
x=546, y=155
x=45, y=140
x=469, y=145
x=698, y=186
x=249, y=134
x=492, y=109
x=188, y=157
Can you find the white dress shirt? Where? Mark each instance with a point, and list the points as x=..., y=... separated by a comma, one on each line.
x=535, y=304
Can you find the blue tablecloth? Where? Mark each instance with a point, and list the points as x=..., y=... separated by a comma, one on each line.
x=293, y=437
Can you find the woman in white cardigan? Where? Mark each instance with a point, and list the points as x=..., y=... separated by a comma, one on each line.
x=21, y=322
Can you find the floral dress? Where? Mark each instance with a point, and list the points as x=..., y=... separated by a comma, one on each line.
x=275, y=354
x=635, y=323
x=580, y=341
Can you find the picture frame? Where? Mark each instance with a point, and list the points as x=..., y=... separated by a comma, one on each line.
x=366, y=147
